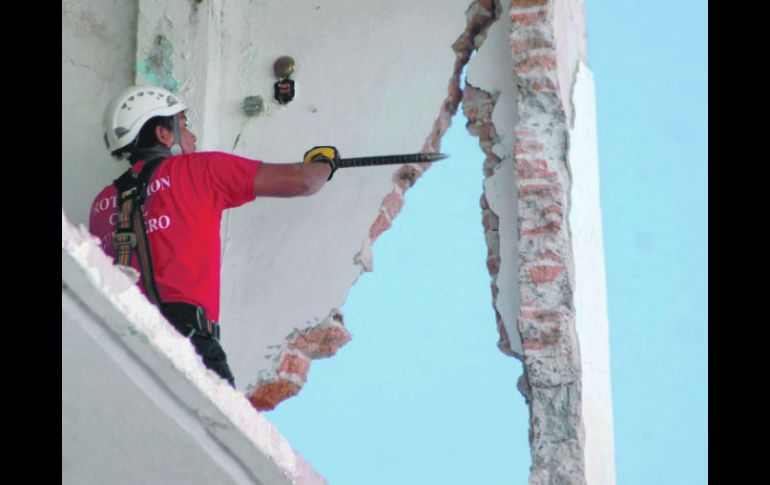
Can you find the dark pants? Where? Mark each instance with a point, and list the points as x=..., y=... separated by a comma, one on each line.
x=184, y=317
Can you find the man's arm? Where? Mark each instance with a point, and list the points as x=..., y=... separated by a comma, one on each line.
x=290, y=180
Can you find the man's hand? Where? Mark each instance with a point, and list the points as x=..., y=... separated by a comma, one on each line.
x=324, y=154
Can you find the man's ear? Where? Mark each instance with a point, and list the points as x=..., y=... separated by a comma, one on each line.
x=164, y=135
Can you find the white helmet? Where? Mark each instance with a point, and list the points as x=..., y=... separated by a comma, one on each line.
x=130, y=110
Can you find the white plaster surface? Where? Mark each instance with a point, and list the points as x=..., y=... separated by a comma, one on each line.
x=590, y=295
x=368, y=81
x=491, y=69
x=98, y=49
x=129, y=380
x=571, y=48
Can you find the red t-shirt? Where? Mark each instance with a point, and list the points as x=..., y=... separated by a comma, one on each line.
x=182, y=214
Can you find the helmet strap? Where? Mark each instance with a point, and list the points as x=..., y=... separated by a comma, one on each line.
x=176, y=148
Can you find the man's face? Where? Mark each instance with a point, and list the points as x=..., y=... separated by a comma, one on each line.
x=187, y=142
x=188, y=139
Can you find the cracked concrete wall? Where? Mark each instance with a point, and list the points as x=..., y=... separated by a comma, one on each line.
x=542, y=222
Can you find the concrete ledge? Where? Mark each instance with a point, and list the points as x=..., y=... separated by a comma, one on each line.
x=138, y=406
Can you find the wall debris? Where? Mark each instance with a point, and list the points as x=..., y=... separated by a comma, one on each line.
x=292, y=363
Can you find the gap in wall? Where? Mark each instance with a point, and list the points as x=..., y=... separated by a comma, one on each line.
x=421, y=394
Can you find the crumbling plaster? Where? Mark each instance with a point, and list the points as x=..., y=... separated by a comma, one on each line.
x=544, y=295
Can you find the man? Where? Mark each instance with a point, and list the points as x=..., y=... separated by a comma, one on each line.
x=184, y=194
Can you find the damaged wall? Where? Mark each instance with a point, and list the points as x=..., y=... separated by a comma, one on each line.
x=353, y=89
x=369, y=80
x=542, y=221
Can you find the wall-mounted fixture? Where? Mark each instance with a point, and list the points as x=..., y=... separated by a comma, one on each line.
x=284, y=87
x=253, y=105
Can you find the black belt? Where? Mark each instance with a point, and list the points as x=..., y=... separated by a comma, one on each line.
x=190, y=319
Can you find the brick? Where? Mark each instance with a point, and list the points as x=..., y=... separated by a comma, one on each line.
x=539, y=339
x=545, y=274
x=519, y=46
x=528, y=146
x=539, y=190
x=552, y=227
x=267, y=396
x=546, y=62
x=393, y=203
x=483, y=201
x=549, y=255
x=486, y=4
x=297, y=364
x=551, y=209
x=490, y=221
x=533, y=169
x=542, y=316
x=405, y=177
x=529, y=19
x=527, y=3
x=380, y=225
x=321, y=341
x=493, y=266
x=544, y=86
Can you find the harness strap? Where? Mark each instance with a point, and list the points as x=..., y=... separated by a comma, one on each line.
x=131, y=233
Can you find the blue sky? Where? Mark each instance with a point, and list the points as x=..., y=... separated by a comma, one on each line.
x=422, y=396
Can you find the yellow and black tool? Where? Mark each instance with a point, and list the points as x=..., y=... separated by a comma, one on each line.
x=330, y=152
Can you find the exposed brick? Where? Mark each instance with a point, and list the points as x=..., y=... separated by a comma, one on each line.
x=527, y=3
x=483, y=201
x=547, y=62
x=493, y=266
x=539, y=190
x=542, y=316
x=490, y=221
x=393, y=203
x=267, y=396
x=549, y=255
x=486, y=4
x=545, y=274
x=520, y=46
x=405, y=177
x=544, y=86
x=528, y=146
x=537, y=339
x=552, y=227
x=529, y=19
x=552, y=209
x=321, y=341
x=489, y=165
x=531, y=169
x=297, y=364
x=380, y=225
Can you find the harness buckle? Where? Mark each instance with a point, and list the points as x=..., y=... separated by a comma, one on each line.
x=127, y=237
x=205, y=325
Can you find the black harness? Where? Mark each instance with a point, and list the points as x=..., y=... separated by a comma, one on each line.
x=131, y=235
